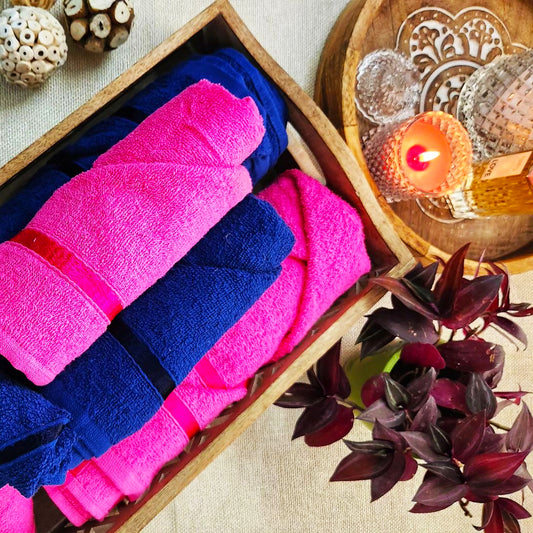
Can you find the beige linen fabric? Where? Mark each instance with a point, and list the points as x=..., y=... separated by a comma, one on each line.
x=263, y=482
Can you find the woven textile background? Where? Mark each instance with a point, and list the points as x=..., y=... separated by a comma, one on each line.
x=263, y=482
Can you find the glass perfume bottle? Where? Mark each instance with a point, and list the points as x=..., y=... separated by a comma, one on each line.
x=499, y=186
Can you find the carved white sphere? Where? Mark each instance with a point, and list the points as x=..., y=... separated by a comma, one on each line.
x=32, y=45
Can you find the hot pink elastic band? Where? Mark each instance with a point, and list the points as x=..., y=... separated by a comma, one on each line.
x=180, y=412
x=73, y=268
x=209, y=375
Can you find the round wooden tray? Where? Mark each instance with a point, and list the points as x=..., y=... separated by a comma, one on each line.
x=476, y=32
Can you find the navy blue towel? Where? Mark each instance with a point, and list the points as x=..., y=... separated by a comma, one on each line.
x=35, y=441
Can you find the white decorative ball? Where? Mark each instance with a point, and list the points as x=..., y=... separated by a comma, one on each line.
x=32, y=45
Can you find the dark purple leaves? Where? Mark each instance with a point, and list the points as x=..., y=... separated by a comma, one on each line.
x=373, y=338
x=471, y=301
x=426, y=416
x=513, y=508
x=396, y=395
x=520, y=437
x=510, y=327
x=407, y=325
x=382, y=461
x=299, y=395
x=440, y=440
x=420, y=387
x=512, y=396
x=469, y=355
x=450, y=394
x=422, y=445
x=435, y=404
x=373, y=389
x=467, y=436
x=379, y=410
x=451, y=280
x=406, y=296
x=370, y=446
x=501, y=516
x=492, y=468
x=315, y=417
x=380, y=485
x=338, y=428
x=436, y=491
x=446, y=470
x=422, y=354
x=479, y=396
x=359, y=465
x=331, y=375
x=423, y=276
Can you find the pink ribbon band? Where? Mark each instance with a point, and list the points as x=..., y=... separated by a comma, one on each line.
x=73, y=268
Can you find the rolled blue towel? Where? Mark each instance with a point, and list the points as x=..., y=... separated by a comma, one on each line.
x=238, y=75
x=35, y=441
x=154, y=343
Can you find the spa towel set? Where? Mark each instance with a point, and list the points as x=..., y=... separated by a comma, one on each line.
x=158, y=275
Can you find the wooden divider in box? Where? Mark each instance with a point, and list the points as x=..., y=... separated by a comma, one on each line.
x=315, y=142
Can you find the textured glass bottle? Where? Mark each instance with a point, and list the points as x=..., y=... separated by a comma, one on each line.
x=499, y=186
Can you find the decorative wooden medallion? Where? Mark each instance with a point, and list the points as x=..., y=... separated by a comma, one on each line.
x=447, y=48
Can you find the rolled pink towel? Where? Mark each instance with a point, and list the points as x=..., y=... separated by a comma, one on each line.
x=16, y=512
x=328, y=258
x=111, y=232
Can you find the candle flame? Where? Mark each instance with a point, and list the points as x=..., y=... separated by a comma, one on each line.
x=424, y=157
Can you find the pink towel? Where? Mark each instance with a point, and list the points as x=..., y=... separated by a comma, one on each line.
x=328, y=258
x=110, y=233
x=16, y=512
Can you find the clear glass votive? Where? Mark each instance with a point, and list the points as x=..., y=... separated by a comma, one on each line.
x=387, y=87
x=429, y=155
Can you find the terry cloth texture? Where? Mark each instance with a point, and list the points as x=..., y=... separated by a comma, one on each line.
x=80, y=155
x=239, y=76
x=328, y=257
x=35, y=444
x=152, y=346
x=16, y=512
x=110, y=233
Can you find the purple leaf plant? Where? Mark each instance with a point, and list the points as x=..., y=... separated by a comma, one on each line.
x=435, y=408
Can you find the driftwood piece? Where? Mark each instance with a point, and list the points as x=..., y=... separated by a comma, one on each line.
x=99, y=25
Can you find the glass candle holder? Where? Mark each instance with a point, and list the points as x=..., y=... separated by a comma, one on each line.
x=387, y=87
x=496, y=106
x=427, y=156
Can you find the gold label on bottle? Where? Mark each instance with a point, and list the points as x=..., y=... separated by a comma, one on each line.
x=506, y=166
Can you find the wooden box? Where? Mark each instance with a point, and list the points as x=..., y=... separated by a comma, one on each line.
x=317, y=148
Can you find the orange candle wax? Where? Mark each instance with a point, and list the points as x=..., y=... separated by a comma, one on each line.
x=425, y=139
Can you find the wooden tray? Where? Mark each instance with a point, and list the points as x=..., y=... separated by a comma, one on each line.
x=318, y=149
x=502, y=27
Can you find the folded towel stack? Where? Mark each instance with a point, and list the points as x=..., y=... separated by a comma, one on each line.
x=110, y=233
x=16, y=512
x=328, y=257
x=153, y=344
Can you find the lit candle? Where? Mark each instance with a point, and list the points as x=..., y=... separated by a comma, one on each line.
x=428, y=155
